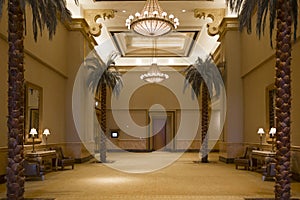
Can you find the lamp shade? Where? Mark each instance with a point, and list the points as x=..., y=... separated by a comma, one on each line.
x=260, y=131
x=46, y=132
x=33, y=132
x=272, y=131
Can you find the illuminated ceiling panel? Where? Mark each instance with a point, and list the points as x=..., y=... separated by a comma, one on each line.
x=176, y=44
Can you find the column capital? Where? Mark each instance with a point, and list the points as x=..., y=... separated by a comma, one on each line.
x=228, y=24
x=215, y=14
x=91, y=16
x=82, y=26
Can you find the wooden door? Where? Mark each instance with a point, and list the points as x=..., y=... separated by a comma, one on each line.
x=159, y=134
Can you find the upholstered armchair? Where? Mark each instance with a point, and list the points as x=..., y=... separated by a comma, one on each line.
x=245, y=161
x=33, y=169
x=62, y=160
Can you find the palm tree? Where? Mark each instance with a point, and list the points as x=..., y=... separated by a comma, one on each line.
x=103, y=75
x=204, y=74
x=44, y=14
x=285, y=12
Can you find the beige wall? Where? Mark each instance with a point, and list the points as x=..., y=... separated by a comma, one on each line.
x=295, y=95
x=141, y=98
x=3, y=107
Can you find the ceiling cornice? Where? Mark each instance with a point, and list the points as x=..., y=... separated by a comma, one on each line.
x=228, y=23
x=124, y=69
x=82, y=26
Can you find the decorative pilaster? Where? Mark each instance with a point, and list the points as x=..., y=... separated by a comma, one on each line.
x=91, y=17
x=230, y=54
x=216, y=15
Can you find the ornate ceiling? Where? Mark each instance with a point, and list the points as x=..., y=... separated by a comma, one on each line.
x=199, y=20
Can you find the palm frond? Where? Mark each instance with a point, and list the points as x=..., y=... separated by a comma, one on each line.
x=203, y=72
x=1, y=6
x=46, y=13
x=92, y=63
x=235, y=5
x=245, y=16
x=295, y=16
x=246, y=8
x=262, y=12
x=102, y=73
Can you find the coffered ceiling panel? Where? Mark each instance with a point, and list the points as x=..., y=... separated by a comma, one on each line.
x=175, y=44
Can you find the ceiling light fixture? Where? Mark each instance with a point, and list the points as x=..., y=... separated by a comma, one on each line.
x=152, y=21
x=154, y=75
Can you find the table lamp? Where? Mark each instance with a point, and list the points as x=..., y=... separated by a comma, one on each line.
x=46, y=133
x=272, y=135
x=33, y=132
x=260, y=132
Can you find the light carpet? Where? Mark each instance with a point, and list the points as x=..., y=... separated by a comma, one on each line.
x=181, y=180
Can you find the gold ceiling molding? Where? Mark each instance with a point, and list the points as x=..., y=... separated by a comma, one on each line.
x=215, y=14
x=125, y=69
x=91, y=16
x=82, y=26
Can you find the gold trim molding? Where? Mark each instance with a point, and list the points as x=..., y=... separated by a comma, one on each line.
x=82, y=26
x=91, y=16
x=216, y=15
x=228, y=24
x=36, y=58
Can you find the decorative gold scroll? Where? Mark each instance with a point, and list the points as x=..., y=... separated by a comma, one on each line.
x=215, y=14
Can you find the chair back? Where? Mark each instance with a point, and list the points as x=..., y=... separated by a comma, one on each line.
x=248, y=151
x=59, y=152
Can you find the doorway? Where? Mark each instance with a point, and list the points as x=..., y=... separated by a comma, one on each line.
x=161, y=131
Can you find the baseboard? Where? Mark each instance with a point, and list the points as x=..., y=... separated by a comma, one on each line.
x=130, y=150
x=167, y=150
x=2, y=179
x=226, y=160
x=85, y=159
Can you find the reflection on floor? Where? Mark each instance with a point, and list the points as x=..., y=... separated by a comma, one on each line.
x=180, y=180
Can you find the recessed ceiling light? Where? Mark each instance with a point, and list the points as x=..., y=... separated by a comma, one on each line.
x=183, y=11
x=124, y=11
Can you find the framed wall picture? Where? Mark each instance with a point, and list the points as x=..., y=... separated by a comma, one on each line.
x=33, y=112
x=271, y=110
x=34, y=119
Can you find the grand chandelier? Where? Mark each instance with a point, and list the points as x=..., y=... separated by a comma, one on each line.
x=152, y=21
x=154, y=75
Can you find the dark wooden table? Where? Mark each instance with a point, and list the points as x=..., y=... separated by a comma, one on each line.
x=267, y=158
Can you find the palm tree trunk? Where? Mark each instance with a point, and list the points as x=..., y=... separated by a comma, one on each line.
x=103, y=124
x=15, y=170
x=204, y=119
x=283, y=99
